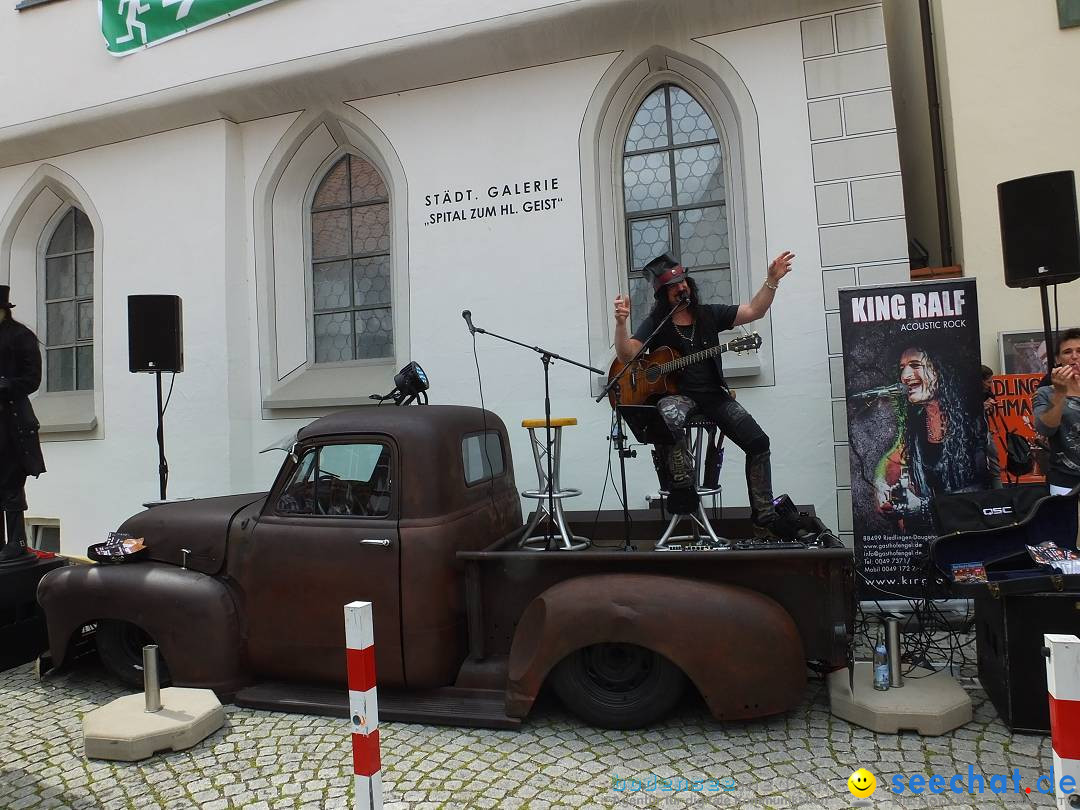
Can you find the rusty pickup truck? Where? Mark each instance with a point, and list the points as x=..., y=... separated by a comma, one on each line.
x=416, y=510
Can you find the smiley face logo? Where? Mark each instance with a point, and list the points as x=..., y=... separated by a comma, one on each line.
x=862, y=783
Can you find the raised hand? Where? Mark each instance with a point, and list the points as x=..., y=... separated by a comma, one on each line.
x=1062, y=377
x=780, y=266
x=622, y=308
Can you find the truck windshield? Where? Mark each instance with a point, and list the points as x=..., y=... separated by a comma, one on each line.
x=351, y=480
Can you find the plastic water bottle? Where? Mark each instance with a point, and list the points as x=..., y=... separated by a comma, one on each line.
x=881, y=666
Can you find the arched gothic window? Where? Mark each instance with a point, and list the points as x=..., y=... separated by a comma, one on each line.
x=69, y=305
x=350, y=264
x=675, y=195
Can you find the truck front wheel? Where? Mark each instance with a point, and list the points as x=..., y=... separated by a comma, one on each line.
x=119, y=646
x=618, y=685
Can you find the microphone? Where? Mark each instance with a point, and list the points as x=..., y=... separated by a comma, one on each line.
x=684, y=299
x=894, y=390
x=468, y=319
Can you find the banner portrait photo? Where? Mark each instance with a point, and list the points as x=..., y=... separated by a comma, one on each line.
x=916, y=424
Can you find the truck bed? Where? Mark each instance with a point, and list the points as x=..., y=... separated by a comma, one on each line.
x=813, y=583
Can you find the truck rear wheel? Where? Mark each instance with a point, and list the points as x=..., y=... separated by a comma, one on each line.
x=119, y=646
x=618, y=685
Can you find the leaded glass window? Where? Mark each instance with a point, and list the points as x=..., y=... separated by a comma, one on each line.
x=69, y=305
x=350, y=264
x=674, y=195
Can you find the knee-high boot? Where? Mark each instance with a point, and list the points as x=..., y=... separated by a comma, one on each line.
x=759, y=484
x=16, y=537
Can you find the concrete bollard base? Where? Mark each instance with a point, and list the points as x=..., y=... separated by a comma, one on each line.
x=931, y=703
x=124, y=730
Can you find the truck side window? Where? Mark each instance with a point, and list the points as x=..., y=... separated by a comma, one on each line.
x=482, y=456
x=351, y=480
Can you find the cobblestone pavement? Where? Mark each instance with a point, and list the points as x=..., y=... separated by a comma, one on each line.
x=270, y=760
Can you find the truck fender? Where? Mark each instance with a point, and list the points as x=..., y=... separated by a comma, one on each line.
x=191, y=616
x=740, y=648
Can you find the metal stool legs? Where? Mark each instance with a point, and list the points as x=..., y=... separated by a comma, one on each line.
x=701, y=529
x=548, y=492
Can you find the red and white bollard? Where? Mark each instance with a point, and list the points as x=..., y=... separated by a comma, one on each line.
x=363, y=706
x=1063, y=685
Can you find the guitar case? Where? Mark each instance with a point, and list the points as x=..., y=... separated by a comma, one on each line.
x=993, y=529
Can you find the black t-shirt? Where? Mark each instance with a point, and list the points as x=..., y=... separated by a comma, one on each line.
x=706, y=376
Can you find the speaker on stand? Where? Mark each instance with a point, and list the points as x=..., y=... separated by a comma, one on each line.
x=156, y=345
x=1040, y=237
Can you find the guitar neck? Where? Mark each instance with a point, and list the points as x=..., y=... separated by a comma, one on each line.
x=690, y=359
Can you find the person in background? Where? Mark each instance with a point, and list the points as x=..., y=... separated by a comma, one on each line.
x=20, y=451
x=1057, y=415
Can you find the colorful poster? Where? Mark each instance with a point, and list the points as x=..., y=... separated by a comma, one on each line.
x=916, y=424
x=1010, y=411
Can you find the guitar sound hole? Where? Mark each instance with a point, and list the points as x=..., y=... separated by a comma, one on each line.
x=652, y=374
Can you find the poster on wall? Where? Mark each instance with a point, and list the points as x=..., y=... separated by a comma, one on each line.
x=1011, y=412
x=916, y=423
x=1022, y=352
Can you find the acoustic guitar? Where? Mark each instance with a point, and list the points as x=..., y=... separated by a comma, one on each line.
x=650, y=377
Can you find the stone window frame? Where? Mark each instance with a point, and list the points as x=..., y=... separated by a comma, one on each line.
x=25, y=231
x=292, y=385
x=716, y=85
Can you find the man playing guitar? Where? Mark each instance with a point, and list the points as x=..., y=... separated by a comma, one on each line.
x=702, y=388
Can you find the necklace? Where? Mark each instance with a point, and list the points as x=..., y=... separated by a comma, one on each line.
x=693, y=329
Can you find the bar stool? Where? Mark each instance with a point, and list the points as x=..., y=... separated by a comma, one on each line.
x=548, y=491
x=701, y=529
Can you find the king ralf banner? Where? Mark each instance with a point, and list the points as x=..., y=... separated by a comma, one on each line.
x=131, y=25
x=916, y=424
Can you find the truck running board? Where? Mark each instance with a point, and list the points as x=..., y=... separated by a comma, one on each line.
x=449, y=706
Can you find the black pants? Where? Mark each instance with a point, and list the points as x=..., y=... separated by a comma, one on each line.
x=12, y=476
x=738, y=425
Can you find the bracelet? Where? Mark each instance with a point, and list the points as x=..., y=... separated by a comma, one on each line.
x=771, y=286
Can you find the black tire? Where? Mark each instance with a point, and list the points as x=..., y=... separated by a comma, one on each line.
x=119, y=646
x=618, y=686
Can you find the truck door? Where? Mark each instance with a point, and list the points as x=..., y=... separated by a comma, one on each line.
x=327, y=536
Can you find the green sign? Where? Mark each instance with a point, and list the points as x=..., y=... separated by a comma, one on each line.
x=131, y=25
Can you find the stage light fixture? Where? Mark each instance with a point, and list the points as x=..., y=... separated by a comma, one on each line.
x=409, y=385
x=411, y=380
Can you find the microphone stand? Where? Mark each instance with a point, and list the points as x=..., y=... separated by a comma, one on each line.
x=614, y=386
x=545, y=357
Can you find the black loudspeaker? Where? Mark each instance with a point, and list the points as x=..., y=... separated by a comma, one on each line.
x=1009, y=635
x=155, y=333
x=1039, y=235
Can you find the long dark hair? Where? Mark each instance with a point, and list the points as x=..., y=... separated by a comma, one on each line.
x=661, y=307
x=956, y=468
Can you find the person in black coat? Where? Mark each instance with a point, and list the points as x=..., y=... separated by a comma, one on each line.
x=20, y=450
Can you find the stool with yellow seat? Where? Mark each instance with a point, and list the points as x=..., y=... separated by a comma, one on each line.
x=549, y=493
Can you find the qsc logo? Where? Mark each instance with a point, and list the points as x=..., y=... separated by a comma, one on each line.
x=997, y=510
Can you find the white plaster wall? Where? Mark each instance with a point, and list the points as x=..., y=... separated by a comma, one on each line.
x=796, y=412
x=522, y=276
x=1011, y=110
x=177, y=214
x=162, y=202
x=39, y=45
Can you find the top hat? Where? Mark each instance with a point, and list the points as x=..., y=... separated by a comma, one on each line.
x=5, y=291
x=662, y=271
